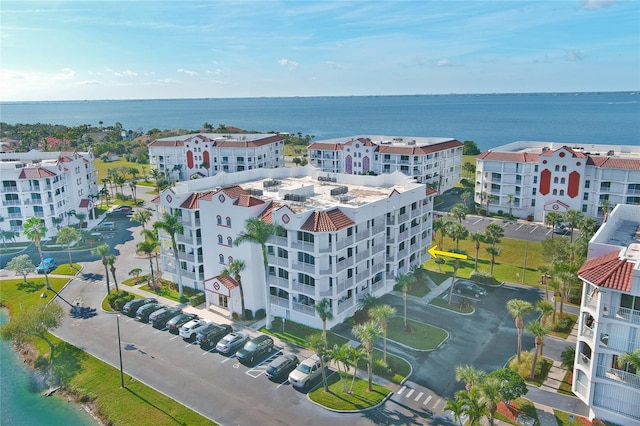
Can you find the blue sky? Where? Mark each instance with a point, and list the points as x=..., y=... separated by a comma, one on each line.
x=58, y=50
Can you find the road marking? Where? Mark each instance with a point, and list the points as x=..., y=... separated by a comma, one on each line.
x=174, y=337
x=401, y=390
x=419, y=396
x=521, y=225
x=255, y=373
x=189, y=344
x=477, y=221
x=409, y=393
x=143, y=325
x=534, y=228
x=283, y=383
x=228, y=359
x=426, y=401
x=437, y=403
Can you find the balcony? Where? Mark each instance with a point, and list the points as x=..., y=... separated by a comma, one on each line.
x=327, y=292
x=415, y=213
x=403, y=235
x=391, y=239
x=377, y=267
x=344, y=242
x=344, y=285
x=627, y=378
x=584, y=360
x=309, y=290
x=361, y=235
x=403, y=217
x=328, y=270
x=279, y=281
x=345, y=305
x=343, y=264
x=303, y=245
x=377, y=229
x=391, y=220
x=279, y=261
x=586, y=332
x=279, y=301
x=326, y=249
x=278, y=241
x=591, y=302
x=362, y=276
x=629, y=315
x=305, y=309
x=190, y=257
x=10, y=188
x=304, y=267
x=11, y=203
x=362, y=255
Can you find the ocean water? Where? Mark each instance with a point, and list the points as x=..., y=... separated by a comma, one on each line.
x=21, y=403
x=489, y=120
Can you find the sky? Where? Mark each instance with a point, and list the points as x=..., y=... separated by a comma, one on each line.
x=87, y=50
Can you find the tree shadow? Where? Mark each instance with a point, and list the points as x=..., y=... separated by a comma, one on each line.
x=30, y=286
x=67, y=361
x=153, y=405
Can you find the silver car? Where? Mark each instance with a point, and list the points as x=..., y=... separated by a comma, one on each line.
x=231, y=342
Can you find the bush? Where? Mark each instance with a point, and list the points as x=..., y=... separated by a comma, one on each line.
x=381, y=368
x=197, y=299
x=483, y=277
x=248, y=314
x=118, y=299
x=260, y=313
x=524, y=368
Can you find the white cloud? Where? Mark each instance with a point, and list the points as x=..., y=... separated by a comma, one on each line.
x=6, y=74
x=444, y=63
x=292, y=65
x=214, y=72
x=573, y=55
x=125, y=73
x=66, y=74
x=89, y=83
x=335, y=65
x=597, y=4
x=187, y=72
x=167, y=81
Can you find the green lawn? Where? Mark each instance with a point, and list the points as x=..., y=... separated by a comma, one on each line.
x=563, y=419
x=359, y=399
x=565, y=386
x=298, y=333
x=421, y=336
x=103, y=167
x=564, y=325
x=444, y=303
x=66, y=269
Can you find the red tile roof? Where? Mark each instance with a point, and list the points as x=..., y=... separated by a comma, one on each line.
x=35, y=173
x=246, y=200
x=248, y=143
x=173, y=143
x=614, y=163
x=85, y=202
x=518, y=157
x=225, y=280
x=574, y=154
x=326, y=146
x=332, y=220
x=608, y=271
x=267, y=214
x=430, y=191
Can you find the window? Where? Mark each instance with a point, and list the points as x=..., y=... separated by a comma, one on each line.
x=562, y=192
x=564, y=168
x=555, y=192
x=496, y=176
x=562, y=180
x=535, y=168
x=220, y=239
x=585, y=197
x=228, y=221
x=306, y=258
x=230, y=259
x=557, y=169
x=283, y=253
x=349, y=231
x=604, y=197
x=535, y=179
x=555, y=180
x=306, y=279
x=587, y=184
x=221, y=258
x=219, y=219
x=305, y=236
x=634, y=188
x=584, y=208
x=533, y=202
x=229, y=241
x=605, y=186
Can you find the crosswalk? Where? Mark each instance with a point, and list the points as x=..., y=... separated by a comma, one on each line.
x=421, y=399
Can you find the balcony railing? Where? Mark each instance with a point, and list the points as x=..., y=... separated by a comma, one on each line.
x=377, y=229
x=326, y=292
x=362, y=255
x=591, y=302
x=587, y=332
x=361, y=276
x=279, y=301
x=279, y=281
x=305, y=309
x=11, y=202
x=344, y=285
x=276, y=260
x=584, y=360
x=303, y=245
x=581, y=388
x=345, y=305
x=619, y=375
x=343, y=264
x=403, y=217
x=415, y=213
x=344, y=242
x=627, y=314
x=278, y=241
x=361, y=235
x=304, y=267
x=304, y=288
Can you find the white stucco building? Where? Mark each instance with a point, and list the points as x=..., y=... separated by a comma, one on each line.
x=609, y=322
x=205, y=154
x=46, y=185
x=345, y=236
x=532, y=178
x=429, y=160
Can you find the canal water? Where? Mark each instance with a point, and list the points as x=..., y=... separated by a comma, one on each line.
x=21, y=400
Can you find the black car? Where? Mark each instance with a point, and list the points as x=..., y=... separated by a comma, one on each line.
x=130, y=308
x=255, y=349
x=159, y=318
x=282, y=366
x=209, y=338
x=143, y=312
x=178, y=321
x=469, y=288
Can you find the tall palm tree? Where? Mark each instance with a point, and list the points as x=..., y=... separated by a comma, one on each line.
x=367, y=333
x=234, y=269
x=568, y=357
x=545, y=270
x=405, y=281
x=493, y=233
x=465, y=197
x=510, y=202
x=456, y=407
x=477, y=238
x=81, y=218
x=382, y=314
x=573, y=217
x=474, y=406
x=66, y=237
x=493, y=251
x=149, y=248
x=588, y=226
x=552, y=219
x=631, y=358
x=456, y=265
x=491, y=390
x=355, y=355
x=111, y=261
x=545, y=308
x=469, y=375
x=459, y=211
x=458, y=232
x=102, y=251
x=141, y=216
x=518, y=309
x=35, y=230
x=539, y=331
x=317, y=343
x=151, y=235
x=605, y=205
x=340, y=355
x=323, y=309
x=170, y=223
x=258, y=232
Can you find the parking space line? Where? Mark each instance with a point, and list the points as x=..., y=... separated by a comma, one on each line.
x=174, y=337
x=419, y=396
x=409, y=393
x=188, y=344
x=401, y=390
x=518, y=228
x=437, y=403
x=283, y=383
x=426, y=401
x=142, y=325
x=228, y=358
x=477, y=221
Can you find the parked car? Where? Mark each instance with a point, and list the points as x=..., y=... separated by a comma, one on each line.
x=106, y=226
x=255, y=349
x=190, y=330
x=208, y=338
x=159, y=318
x=306, y=372
x=178, y=321
x=143, y=312
x=469, y=288
x=121, y=211
x=562, y=229
x=47, y=265
x=281, y=366
x=130, y=308
x=231, y=343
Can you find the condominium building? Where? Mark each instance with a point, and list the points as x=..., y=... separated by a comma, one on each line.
x=532, y=178
x=436, y=161
x=342, y=237
x=205, y=154
x=47, y=185
x=609, y=322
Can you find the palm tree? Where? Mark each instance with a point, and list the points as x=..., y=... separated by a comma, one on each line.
x=323, y=309
x=456, y=265
x=491, y=390
x=518, y=309
x=477, y=238
x=469, y=375
x=552, y=219
x=66, y=237
x=258, y=232
x=35, y=230
x=568, y=357
x=465, y=197
x=340, y=355
x=151, y=235
x=141, y=216
x=170, y=223
x=404, y=282
x=366, y=302
x=474, y=406
x=588, y=226
x=631, y=358
x=234, y=269
x=111, y=261
x=459, y=211
x=81, y=218
x=545, y=270
x=382, y=314
x=539, y=331
x=493, y=233
x=493, y=251
x=8, y=235
x=545, y=308
x=317, y=343
x=441, y=225
x=573, y=217
x=367, y=333
x=56, y=221
x=456, y=407
x=510, y=202
x=605, y=205
x=102, y=251
x=356, y=355
x=458, y=232
x=148, y=247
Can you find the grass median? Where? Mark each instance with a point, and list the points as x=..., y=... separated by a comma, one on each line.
x=359, y=399
x=420, y=336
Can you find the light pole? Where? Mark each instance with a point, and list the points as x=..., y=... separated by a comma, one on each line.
x=120, y=352
x=526, y=249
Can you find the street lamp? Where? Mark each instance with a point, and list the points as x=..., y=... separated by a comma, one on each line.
x=120, y=351
x=526, y=249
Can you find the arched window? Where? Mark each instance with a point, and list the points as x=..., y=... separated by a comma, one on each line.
x=219, y=239
x=562, y=180
x=229, y=241
x=221, y=258
x=230, y=260
x=564, y=168
x=557, y=168
x=562, y=192
x=555, y=192
x=228, y=221
x=219, y=219
x=555, y=180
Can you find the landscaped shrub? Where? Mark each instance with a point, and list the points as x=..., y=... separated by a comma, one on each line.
x=381, y=368
x=260, y=313
x=248, y=314
x=118, y=299
x=197, y=299
x=483, y=277
x=524, y=368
